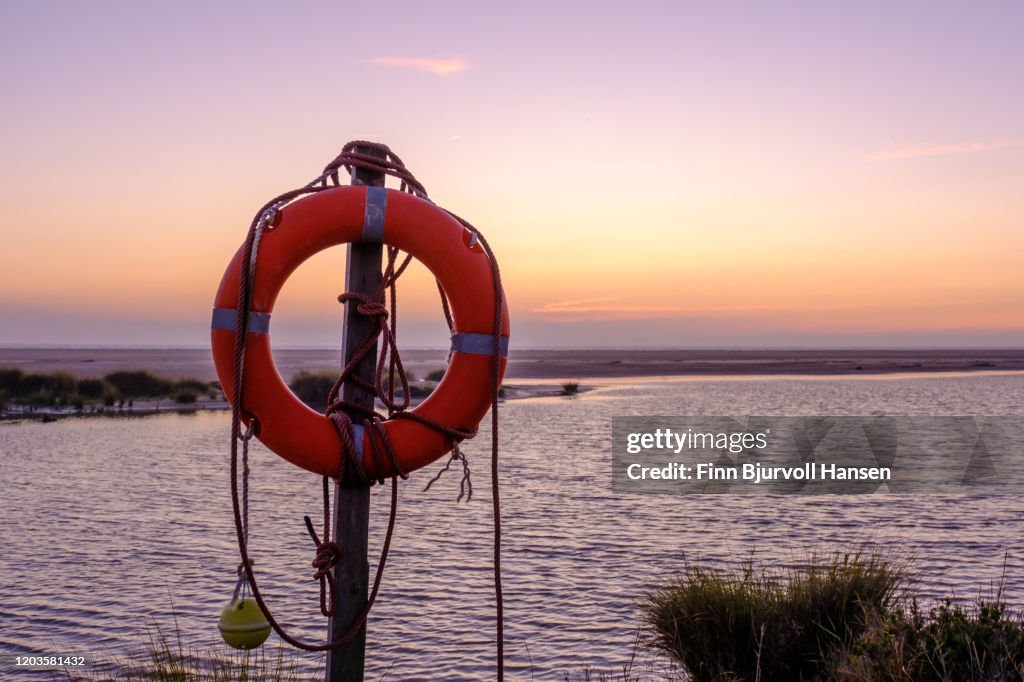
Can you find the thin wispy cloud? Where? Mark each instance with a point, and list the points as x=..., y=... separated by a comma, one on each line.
x=438, y=67
x=899, y=152
x=576, y=305
x=613, y=305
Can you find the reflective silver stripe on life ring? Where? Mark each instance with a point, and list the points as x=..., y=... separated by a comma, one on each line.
x=357, y=440
x=373, y=217
x=478, y=344
x=224, y=318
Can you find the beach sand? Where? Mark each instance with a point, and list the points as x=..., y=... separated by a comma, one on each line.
x=540, y=364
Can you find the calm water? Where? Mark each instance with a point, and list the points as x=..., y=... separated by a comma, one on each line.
x=107, y=523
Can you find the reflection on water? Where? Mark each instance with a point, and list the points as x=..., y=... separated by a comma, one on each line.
x=106, y=525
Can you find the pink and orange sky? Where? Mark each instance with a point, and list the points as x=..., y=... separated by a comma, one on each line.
x=650, y=174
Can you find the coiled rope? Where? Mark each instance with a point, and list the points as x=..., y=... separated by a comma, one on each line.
x=350, y=467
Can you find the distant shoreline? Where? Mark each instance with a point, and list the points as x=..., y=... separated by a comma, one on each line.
x=545, y=364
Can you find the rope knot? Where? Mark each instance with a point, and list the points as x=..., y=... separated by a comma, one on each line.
x=367, y=306
x=373, y=309
x=327, y=554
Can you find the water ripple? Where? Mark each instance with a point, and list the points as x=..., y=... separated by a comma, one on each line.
x=110, y=526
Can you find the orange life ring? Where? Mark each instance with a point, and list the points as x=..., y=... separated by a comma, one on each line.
x=357, y=214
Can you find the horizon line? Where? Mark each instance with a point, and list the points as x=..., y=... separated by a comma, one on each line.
x=143, y=346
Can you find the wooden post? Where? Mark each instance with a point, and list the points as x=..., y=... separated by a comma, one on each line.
x=352, y=500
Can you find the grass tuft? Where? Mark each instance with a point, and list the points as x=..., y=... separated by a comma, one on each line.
x=760, y=624
x=168, y=658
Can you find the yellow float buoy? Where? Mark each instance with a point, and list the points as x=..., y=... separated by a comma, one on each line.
x=243, y=625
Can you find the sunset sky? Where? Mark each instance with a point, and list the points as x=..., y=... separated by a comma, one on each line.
x=653, y=174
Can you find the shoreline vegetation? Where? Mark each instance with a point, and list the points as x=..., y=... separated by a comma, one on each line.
x=47, y=383
x=50, y=396
x=841, y=618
